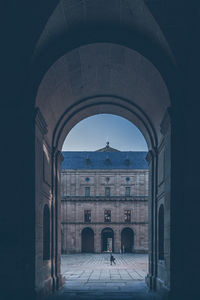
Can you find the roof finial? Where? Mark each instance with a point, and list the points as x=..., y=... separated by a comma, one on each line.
x=107, y=144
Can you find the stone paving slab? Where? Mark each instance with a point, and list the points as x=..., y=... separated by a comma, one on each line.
x=90, y=267
x=138, y=291
x=90, y=276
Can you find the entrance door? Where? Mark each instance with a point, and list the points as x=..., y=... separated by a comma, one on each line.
x=127, y=240
x=87, y=238
x=107, y=240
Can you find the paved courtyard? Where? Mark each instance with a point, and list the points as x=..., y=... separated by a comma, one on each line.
x=87, y=268
x=90, y=276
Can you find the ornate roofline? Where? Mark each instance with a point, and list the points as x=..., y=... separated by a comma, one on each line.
x=107, y=148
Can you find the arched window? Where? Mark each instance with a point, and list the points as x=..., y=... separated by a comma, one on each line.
x=161, y=232
x=46, y=233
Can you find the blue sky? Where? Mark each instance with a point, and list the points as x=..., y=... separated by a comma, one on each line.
x=92, y=133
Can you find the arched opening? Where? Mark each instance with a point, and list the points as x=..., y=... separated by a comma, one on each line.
x=107, y=240
x=46, y=233
x=87, y=240
x=149, y=124
x=161, y=232
x=101, y=57
x=127, y=240
x=103, y=75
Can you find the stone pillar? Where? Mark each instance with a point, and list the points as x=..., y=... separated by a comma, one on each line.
x=159, y=160
x=97, y=240
x=117, y=237
x=43, y=195
x=151, y=276
x=57, y=217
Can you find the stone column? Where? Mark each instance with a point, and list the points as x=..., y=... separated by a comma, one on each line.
x=56, y=213
x=97, y=239
x=151, y=276
x=117, y=237
x=164, y=187
x=43, y=279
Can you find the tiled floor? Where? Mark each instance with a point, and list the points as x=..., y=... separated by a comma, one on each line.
x=90, y=267
x=90, y=276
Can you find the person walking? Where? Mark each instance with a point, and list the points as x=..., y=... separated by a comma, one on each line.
x=112, y=259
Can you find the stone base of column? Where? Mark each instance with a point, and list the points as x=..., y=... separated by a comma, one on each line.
x=151, y=282
x=162, y=290
x=46, y=290
x=59, y=281
x=157, y=285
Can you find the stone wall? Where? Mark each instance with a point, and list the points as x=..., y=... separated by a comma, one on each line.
x=74, y=203
x=73, y=182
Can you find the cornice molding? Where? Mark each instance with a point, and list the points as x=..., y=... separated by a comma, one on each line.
x=105, y=224
x=104, y=199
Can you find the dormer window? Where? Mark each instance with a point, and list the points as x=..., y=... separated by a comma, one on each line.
x=88, y=161
x=107, y=161
x=127, y=161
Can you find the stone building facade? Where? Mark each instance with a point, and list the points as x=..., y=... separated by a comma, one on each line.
x=104, y=201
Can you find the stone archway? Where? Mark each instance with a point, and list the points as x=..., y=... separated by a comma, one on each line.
x=104, y=76
x=87, y=240
x=127, y=240
x=55, y=120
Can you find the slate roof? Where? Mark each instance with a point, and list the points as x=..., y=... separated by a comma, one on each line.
x=104, y=160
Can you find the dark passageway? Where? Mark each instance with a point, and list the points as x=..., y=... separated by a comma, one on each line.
x=127, y=240
x=87, y=240
x=64, y=61
x=107, y=240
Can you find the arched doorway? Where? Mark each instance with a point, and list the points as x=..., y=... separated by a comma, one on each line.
x=87, y=240
x=107, y=240
x=108, y=74
x=127, y=240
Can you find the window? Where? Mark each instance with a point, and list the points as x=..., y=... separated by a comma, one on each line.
x=107, y=216
x=127, y=216
x=127, y=161
x=107, y=179
x=46, y=233
x=88, y=161
x=107, y=161
x=107, y=192
x=128, y=191
x=87, y=191
x=87, y=216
